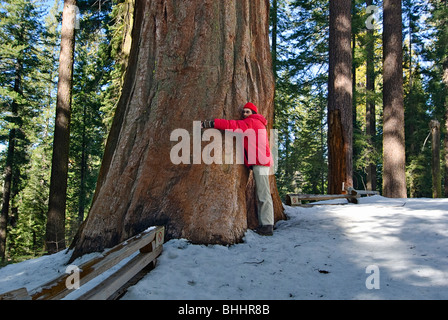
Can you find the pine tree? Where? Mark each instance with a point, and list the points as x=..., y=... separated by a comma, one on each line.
x=301, y=89
x=437, y=54
x=27, y=238
x=20, y=98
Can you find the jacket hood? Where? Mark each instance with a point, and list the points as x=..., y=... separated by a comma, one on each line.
x=259, y=117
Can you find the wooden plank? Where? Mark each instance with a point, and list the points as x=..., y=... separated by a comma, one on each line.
x=295, y=199
x=320, y=197
x=56, y=289
x=18, y=294
x=352, y=196
x=367, y=192
x=139, y=276
x=109, y=286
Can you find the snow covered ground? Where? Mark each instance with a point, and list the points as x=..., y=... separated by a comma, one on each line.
x=378, y=249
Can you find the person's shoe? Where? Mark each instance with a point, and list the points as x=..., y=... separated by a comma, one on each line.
x=267, y=230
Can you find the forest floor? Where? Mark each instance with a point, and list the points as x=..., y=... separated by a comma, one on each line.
x=378, y=249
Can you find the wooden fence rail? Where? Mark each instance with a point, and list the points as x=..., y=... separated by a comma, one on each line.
x=352, y=196
x=149, y=244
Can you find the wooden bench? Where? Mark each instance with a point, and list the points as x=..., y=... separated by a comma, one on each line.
x=149, y=244
x=352, y=196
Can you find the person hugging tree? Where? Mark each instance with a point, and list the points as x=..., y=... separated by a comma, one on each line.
x=257, y=156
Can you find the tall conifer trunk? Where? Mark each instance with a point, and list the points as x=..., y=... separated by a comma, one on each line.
x=444, y=42
x=370, y=107
x=340, y=121
x=190, y=60
x=55, y=229
x=394, y=175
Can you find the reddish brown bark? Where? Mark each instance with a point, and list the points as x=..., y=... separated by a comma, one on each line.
x=55, y=228
x=190, y=60
x=394, y=166
x=340, y=123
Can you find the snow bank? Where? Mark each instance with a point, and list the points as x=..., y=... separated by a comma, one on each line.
x=399, y=246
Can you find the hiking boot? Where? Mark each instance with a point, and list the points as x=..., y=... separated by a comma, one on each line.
x=265, y=230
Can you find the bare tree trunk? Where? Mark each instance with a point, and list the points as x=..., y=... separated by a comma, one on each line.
x=394, y=176
x=55, y=229
x=370, y=105
x=434, y=125
x=340, y=120
x=446, y=150
x=190, y=60
x=82, y=182
x=274, y=35
x=445, y=81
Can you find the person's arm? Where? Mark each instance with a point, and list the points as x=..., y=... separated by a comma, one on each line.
x=223, y=124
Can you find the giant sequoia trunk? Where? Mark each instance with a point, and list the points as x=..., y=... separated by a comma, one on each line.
x=190, y=60
x=340, y=123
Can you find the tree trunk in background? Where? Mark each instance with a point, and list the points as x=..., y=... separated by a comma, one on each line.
x=394, y=174
x=340, y=121
x=190, y=60
x=434, y=126
x=55, y=229
x=370, y=106
x=445, y=81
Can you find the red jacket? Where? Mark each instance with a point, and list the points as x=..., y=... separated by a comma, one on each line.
x=256, y=142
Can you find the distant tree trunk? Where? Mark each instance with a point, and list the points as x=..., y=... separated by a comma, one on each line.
x=434, y=125
x=274, y=35
x=340, y=121
x=274, y=18
x=190, y=60
x=9, y=164
x=446, y=150
x=55, y=229
x=394, y=176
x=370, y=106
x=83, y=169
x=445, y=81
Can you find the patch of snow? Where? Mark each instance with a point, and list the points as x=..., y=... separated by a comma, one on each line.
x=320, y=252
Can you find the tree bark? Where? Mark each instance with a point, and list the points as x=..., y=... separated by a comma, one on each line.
x=340, y=121
x=55, y=228
x=434, y=126
x=445, y=81
x=446, y=149
x=394, y=176
x=370, y=106
x=190, y=60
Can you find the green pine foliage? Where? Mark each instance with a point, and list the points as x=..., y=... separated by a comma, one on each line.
x=301, y=73
x=95, y=95
x=300, y=116
x=23, y=83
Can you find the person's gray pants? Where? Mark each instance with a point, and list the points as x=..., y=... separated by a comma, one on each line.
x=263, y=191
